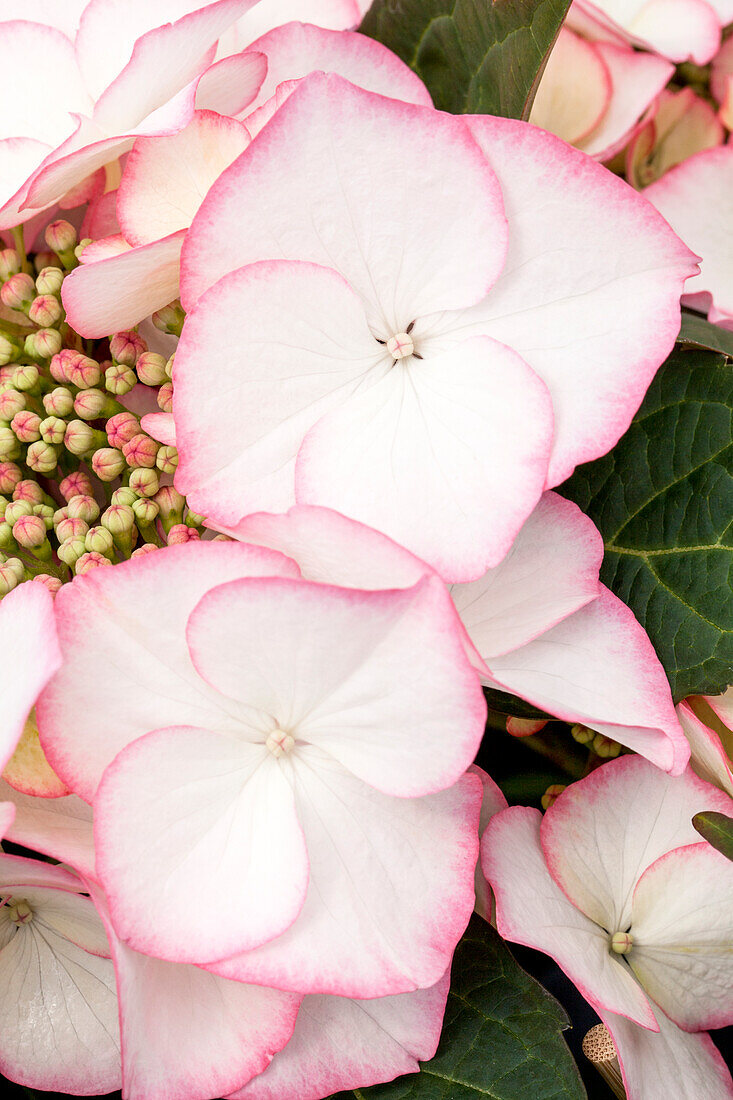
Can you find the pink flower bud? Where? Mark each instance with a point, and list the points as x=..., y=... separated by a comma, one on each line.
x=180, y=533
x=83, y=371
x=150, y=369
x=171, y=504
x=165, y=397
x=11, y=402
x=18, y=292
x=61, y=236
x=46, y=512
x=83, y=507
x=45, y=310
x=170, y=318
x=69, y=528
x=59, y=402
x=167, y=459
x=29, y=532
x=29, y=491
x=16, y=509
x=91, y=404
x=140, y=451
x=99, y=540
x=121, y=428
x=119, y=519
x=169, y=367
x=89, y=561
x=146, y=548
x=41, y=457
x=50, y=280
x=27, y=426
x=83, y=243
x=10, y=475
x=144, y=482
x=145, y=511
x=43, y=344
x=80, y=438
x=53, y=429
x=9, y=350
x=108, y=463
x=71, y=550
x=119, y=379
x=76, y=484
x=53, y=584
x=26, y=377
x=523, y=727
x=9, y=263
x=9, y=445
x=59, y=365
x=45, y=259
x=12, y=572
x=124, y=495
x=126, y=347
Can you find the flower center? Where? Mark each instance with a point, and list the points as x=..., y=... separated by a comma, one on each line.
x=19, y=911
x=622, y=942
x=279, y=742
x=400, y=345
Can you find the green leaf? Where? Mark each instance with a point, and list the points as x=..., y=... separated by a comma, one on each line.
x=475, y=56
x=512, y=705
x=698, y=333
x=717, y=830
x=663, y=501
x=501, y=1037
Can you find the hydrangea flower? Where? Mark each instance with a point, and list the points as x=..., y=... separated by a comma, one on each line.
x=640, y=918
x=677, y=29
x=415, y=343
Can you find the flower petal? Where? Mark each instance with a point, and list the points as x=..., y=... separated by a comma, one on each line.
x=218, y=815
x=590, y=849
x=574, y=90
x=353, y=200
x=532, y=909
x=58, y=827
x=391, y=887
x=231, y=85
x=447, y=455
x=407, y=728
x=340, y=1043
x=266, y=15
x=709, y=759
x=599, y=668
x=88, y=713
x=28, y=770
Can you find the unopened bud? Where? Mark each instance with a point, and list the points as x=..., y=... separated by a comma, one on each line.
x=144, y=482
x=83, y=243
x=9, y=263
x=10, y=475
x=26, y=377
x=9, y=350
x=50, y=280
x=146, y=548
x=41, y=457
x=61, y=237
x=43, y=344
x=16, y=509
x=83, y=507
x=7, y=541
x=165, y=397
x=12, y=572
x=53, y=429
x=126, y=347
x=121, y=428
x=45, y=259
x=59, y=402
x=140, y=451
x=11, y=402
x=605, y=747
x=53, y=584
x=45, y=310
x=99, y=540
x=91, y=404
x=119, y=519
x=180, y=533
x=167, y=459
x=551, y=795
x=18, y=292
x=150, y=369
x=582, y=734
x=77, y=484
x=71, y=550
x=80, y=438
x=524, y=727
x=60, y=362
x=90, y=560
x=170, y=318
x=25, y=425
x=30, y=532
x=193, y=519
x=145, y=511
x=83, y=371
x=622, y=942
x=46, y=513
x=29, y=491
x=124, y=495
x=68, y=528
x=108, y=463
x=169, y=367
x=171, y=505
x=119, y=379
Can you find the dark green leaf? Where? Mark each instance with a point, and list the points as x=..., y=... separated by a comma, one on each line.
x=699, y=333
x=475, y=56
x=717, y=830
x=663, y=500
x=501, y=1038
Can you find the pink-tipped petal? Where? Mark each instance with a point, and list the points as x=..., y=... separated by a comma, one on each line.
x=446, y=454
x=574, y=91
x=679, y=29
x=105, y=249
x=560, y=301
x=708, y=758
x=231, y=85
x=35, y=873
x=352, y=158
x=550, y=572
x=57, y=827
x=391, y=887
x=492, y=802
x=218, y=813
x=31, y=655
x=590, y=849
x=114, y=294
x=722, y=705
x=266, y=15
x=599, y=668
x=682, y=924
x=166, y=178
x=340, y=1043
x=532, y=909
x=87, y=715
x=161, y=426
